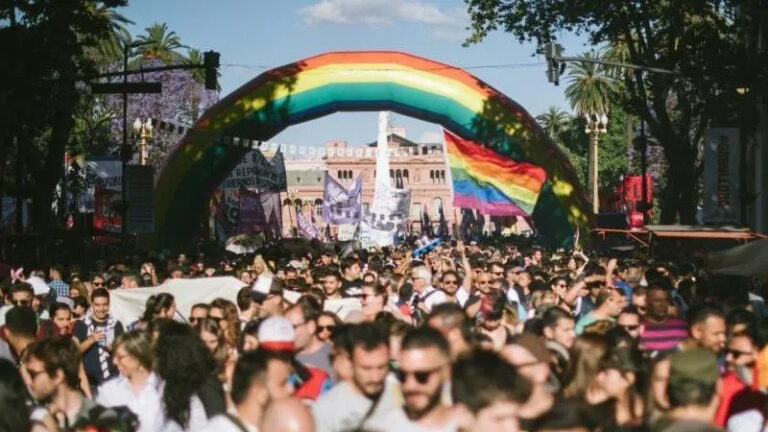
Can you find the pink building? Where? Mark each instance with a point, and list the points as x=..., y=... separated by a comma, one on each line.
x=420, y=168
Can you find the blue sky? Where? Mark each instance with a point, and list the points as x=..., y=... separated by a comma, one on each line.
x=254, y=35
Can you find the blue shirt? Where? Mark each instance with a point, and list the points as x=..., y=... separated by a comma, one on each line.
x=60, y=288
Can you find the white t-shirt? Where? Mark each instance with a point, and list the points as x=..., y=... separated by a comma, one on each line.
x=397, y=421
x=343, y=408
x=432, y=296
x=222, y=423
x=147, y=405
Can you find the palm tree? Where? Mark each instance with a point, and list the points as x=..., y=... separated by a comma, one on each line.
x=553, y=121
x=110, y=49
x=162, y=44
x=195, y=57
x=589, y=92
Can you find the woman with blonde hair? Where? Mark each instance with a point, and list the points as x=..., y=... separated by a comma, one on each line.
x=227, y=317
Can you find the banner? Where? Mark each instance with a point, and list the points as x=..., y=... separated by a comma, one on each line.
x=384, y=229
x=342, y=206
x=347, y=232
x=306, y=228
x=252, y=217
x=106, y=215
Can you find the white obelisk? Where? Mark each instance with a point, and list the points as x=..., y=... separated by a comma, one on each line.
x=382, y=187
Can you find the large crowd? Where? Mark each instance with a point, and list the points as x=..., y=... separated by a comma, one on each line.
x=476, y=338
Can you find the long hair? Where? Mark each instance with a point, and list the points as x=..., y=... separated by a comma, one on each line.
x=13, y=402
x=184, y=363
x=221, y=353
x=229, y=311
x=586, y=353
x=156, y=303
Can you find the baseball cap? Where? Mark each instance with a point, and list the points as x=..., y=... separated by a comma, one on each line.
x=693, y=365
x=277, y=334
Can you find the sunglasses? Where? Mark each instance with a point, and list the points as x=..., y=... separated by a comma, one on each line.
x=736, y=353
x=98, y=284
x=329, y=328
x=483, y=282
x=21, y=303
x=365, y=296
x=422, y=377
x=630, y=327
x=450, y=282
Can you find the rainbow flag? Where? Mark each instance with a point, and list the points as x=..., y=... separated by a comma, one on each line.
x=489, y=182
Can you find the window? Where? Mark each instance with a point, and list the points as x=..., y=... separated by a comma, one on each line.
x=338, y=175
x=406, y=180
x=432, y=176
x=350, y=175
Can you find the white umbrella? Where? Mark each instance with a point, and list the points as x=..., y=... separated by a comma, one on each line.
x=242, y=244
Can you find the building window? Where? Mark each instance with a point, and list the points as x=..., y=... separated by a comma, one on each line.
x=338, y=175
x=406, y=180
x=318, y=208
x=442, y=176
x=350, y=175
x=423, y=150
x=437, y=203
x=399, y=179
x=432, y=176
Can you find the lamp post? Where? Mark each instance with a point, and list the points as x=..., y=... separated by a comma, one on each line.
x=597, y=124
x=144, y=132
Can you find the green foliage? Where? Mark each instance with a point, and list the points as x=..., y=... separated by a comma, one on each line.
x=589, y=88
x=713, y=47
x=162, y=44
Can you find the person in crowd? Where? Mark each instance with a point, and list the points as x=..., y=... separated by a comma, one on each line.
x=224, y=312
x=706, y=326
x=213, y=338
x=138, y=387
x=249, y=337
x=20, y=295
x=692, y=392
x=608, y=305
x=351, y=271
x=192, y=392
x=50, y=369
x=130, y=281
x=17, y=414
x=59, y=287
x=287, y=415
x=451, y=284
x=586, y=353
x=77, y=289
x=661, y=332
x=80, y=308
x=374, y=299
x=487, y=392
x=161, y=305
x=331, y=282
x=424, y=370
x=629, y=321
x=61, y=318
x=425, y=296
x=310, y=349
x=619, y=386
x=529, y=355
x=492, y=312
x=260, y=377
x=95, y=334
x=366, y=395
x=450, y=320
x=559, y=327
x=249, y=309
x=20, y=329
x=279, y=335
x=740, y=406
x=326, y=323
x=199, y=311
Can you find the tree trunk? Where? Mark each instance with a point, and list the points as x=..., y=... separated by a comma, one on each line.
x=679, y=199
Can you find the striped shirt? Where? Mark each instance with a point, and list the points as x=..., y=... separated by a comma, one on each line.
x=663, y=336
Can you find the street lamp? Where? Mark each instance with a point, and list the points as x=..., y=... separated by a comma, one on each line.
x=597, y=124
x=144, y=132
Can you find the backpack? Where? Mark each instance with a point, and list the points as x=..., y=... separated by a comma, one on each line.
x=114, y=419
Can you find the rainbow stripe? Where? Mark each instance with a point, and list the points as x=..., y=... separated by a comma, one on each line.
x=492, y=183
x=361, y=81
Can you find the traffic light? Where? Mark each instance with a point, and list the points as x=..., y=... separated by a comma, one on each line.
x=211, y=65
x=552, y=52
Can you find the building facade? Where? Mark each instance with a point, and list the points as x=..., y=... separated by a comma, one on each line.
x=420, y=168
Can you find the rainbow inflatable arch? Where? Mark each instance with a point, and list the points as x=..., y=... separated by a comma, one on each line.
x=361, y=81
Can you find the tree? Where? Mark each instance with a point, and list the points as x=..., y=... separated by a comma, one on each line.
x=162, y=45
x=195, y=57
x=553, y=121
x=589, y=91
x=700, y=40
x=39, y=93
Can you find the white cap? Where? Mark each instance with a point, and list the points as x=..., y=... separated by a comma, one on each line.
x=277, y=334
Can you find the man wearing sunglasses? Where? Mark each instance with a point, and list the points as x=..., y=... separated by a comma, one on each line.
x=21, y=295
x=425, y=363
x=740, y=406
x=310, y=350
x=367, y=396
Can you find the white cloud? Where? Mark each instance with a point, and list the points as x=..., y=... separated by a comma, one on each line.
x=441, y=23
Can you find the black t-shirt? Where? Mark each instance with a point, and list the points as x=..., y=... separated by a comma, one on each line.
x=96, y=360
x=352, y=288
